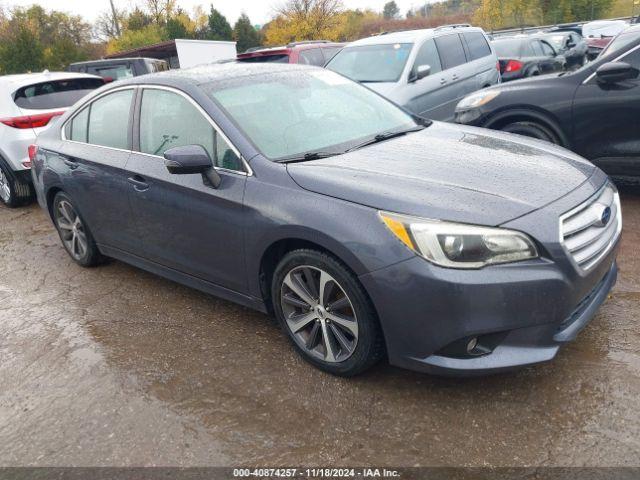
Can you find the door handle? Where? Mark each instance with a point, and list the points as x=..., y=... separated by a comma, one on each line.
x=139, y=184
x=443, y=81
x=69, y=162
x=455, y=77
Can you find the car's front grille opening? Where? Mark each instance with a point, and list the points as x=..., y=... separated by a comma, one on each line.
x=589, y=231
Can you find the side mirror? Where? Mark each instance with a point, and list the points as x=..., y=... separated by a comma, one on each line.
x=190, y=159
x=614, y=72
x=420, y=72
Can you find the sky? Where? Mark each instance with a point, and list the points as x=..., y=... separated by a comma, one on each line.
x=259, y=11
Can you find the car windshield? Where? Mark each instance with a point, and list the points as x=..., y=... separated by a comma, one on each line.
x=277, y=58
x=557, y=41
x=372, y=63
x=620, y=42
x=507, y=48
x=296, y=112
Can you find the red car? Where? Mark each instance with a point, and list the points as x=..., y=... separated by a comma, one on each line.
x=307, y=53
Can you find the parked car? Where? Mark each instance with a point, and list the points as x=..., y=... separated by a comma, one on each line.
x=28, y=103
x=599, y=34
x=570, y=45
x=293, y=190
x=119, y=68
x=527, y=56
x=425, y=71
x=306, y=53
x=593, y=111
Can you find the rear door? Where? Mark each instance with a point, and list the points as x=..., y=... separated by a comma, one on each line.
x=482, y=61
x=183, y=222
x=456, y=74
x=606, y=127
x=94, y=157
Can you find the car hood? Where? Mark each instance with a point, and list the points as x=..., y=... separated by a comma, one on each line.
x=449, y=172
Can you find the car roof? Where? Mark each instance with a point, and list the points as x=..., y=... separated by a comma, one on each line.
x=288, y=48
x=22, y=79
x=410, y=36
x=212, y=72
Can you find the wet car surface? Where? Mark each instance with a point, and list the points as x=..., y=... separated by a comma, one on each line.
x=116, y=366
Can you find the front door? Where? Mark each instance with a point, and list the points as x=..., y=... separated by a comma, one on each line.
x=606, y=126
x=184, y=223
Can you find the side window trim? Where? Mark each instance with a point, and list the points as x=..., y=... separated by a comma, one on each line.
x=88, y=104
x=136, y=128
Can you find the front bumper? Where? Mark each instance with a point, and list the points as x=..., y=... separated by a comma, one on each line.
x=525, y=311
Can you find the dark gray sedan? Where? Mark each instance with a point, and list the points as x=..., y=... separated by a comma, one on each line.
x=523, y=56
x=366, y=231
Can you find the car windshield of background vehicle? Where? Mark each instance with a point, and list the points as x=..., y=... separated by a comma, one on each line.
x=557, y=41
x=266, y=59
x=55, y=94
x=507, y=48
x=372, y=63
x=297, y=112
x=620, y=42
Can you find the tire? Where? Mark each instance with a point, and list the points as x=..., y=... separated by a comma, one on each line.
x=340, y=335
x=74, y=232
x=13, y=191
x=533, y=130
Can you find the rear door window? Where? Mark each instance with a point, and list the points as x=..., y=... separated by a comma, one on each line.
x=537, y=48
x=79, y=126
x=55, y=93
x=478, y=46
x=547, y=49
x=330, y=52
x=109, y=120
x=311, y=57
x=428, y=55
x=451, y=51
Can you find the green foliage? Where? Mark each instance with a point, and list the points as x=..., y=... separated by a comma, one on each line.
x=390, y=10
x=137, y=38
x=219, y=28
x=33, y=39
x=245, y=34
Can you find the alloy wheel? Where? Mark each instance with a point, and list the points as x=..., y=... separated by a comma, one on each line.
x=5, y=188
x=319, y=314
x=71, y=229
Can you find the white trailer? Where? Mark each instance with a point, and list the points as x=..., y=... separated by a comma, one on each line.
x=197, y=52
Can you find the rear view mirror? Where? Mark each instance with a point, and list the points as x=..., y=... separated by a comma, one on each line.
x=420, y=72
x=613, y=72
x=190, y=159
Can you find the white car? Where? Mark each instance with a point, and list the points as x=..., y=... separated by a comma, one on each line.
x=28, y=103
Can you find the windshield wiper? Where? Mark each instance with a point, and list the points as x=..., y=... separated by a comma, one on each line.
x=306, y=157
x=381, y=137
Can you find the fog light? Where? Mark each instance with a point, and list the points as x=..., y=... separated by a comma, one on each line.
x=471, y=346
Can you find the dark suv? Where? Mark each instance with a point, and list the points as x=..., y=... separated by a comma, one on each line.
x=316, y=53
x=593, y=111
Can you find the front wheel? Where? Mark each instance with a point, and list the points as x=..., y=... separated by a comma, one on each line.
x=326, y=313
x=533, y=130
x=74, y=233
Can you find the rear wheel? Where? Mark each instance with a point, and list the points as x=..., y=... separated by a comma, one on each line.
x=13, y=191
x=326, y=313
x=74, y=233
x=533, y=130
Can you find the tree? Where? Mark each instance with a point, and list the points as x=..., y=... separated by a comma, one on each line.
x=489, y=15
x=245, y=34
x=137, y=38
x=306, y=20
x=219, y=28
x=390, y=10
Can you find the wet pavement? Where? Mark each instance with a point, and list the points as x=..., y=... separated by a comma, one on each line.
x=115, y=366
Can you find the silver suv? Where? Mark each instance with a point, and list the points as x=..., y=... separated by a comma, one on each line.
x=426, y=71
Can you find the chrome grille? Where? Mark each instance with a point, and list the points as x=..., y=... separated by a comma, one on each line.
x=590, y=230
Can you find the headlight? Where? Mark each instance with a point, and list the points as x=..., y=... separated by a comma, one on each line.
x=478, y=99
x=457, y=245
